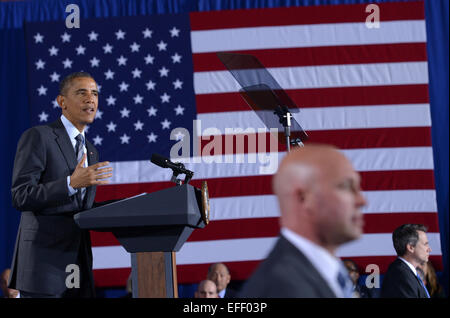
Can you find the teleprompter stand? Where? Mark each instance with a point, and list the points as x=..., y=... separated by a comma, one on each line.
x=151, y=227
x=265, y=97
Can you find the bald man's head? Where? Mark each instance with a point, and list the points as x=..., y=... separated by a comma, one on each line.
x=319, y=195
x=206, y=289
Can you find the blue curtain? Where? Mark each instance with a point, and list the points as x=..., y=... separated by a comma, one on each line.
x=438, y=67
x=14, y=111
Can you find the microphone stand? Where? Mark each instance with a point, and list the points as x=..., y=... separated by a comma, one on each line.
x=187, y=178
x=177, y=168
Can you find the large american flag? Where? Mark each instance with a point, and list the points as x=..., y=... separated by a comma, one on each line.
x=362, y=89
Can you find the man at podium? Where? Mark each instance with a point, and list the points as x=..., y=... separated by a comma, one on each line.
x=56, y=171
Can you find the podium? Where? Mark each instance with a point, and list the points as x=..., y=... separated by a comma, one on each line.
x=152, y=227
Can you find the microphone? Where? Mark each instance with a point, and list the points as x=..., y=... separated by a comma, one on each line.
x=164, y=162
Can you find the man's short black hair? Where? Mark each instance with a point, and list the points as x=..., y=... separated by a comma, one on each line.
x=65, y=83
x=406, y=234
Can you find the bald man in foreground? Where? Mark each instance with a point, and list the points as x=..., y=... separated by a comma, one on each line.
x=320, y=201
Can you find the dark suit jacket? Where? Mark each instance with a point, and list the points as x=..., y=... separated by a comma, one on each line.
x=286, y=273
x=48, y=239
x=230, y=293
x=400, y=282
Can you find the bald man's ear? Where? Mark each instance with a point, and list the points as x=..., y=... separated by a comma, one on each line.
x=300, y=196
x=305, y=202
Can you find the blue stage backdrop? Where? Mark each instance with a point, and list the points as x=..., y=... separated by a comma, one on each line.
x=380, y=94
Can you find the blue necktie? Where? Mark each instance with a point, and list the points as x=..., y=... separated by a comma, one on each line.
x=423, y=285
x=79, y=152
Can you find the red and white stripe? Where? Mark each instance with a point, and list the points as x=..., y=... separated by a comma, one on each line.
x=363, y=90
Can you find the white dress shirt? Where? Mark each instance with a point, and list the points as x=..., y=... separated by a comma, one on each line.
x=409, y=265
x=323, y=261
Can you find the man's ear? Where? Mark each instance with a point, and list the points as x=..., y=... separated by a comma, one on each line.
x=410, y=248
x=60, y=101
x=306, y=202
x=300, y=196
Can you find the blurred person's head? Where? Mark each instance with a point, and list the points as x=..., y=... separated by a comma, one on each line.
x=220, y=275
x=352, y=269
x=320, y=196
x=430, y=278
x=7, y=292
x=206, y=289
x=129, y=285
x=411, y=243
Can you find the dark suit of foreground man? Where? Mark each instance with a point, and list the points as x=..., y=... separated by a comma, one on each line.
x=49, y=186
x=401, y=279
x=320, y=200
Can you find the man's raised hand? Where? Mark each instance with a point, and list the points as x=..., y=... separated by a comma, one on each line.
x=84, y=177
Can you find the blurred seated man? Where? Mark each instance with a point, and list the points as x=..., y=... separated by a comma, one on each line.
x=359, y=291
x=206, y=289
x=220, y=275
x=7, y=292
